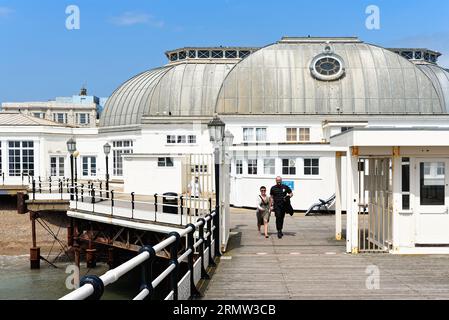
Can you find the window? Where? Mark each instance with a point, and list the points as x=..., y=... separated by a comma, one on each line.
x=192, y=54
x=57, y=166
x=426, y=56
x=165, y=162
x=405, y=184
x=202, y=168
x=328, y=66
x=89, y=166
x=21, y=158
x=39, y=115
x=418, y=55
x=254, y=134
x=60, y=117
x=311, y=167
x=239, y=167
x=407, y=54
x=345, y=129
x=243, y=54
x=217, y=54
x=248, y=134
x=82, y=118
x=192, y=139
x=252, y=167
x=269, y=166
x=298, y=134
x=174, y=56
x=231, y=54
x=182, y=55
x=289, y=167
x=182, y=139
x=119, y=148
x=432, y=183
x=202, y=54
x=261, y=134
x=171, y=139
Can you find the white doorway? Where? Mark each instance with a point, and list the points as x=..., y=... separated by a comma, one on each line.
x=431, y=201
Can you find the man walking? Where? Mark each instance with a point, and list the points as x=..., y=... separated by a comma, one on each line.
x=279, y=194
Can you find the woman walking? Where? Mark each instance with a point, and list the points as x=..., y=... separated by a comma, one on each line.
x=263, y=210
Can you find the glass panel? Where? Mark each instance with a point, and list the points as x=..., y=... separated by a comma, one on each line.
x=406, y=178
x=405, y=202
x=261, y=134
x=432, y=183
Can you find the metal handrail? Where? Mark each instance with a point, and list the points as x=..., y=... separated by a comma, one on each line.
x=93, y=286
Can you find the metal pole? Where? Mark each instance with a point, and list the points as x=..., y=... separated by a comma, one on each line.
x=174, y=261
x=194, y=293
x=71, y=176
x=217, y=203
x=76, y=171
x=107, y=176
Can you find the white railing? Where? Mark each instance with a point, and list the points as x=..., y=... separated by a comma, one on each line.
x=92, y=287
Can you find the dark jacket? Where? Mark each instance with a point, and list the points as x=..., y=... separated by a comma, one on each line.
x=288, y=206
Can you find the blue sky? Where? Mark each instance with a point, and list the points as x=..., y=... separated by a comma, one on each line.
x=41, y=59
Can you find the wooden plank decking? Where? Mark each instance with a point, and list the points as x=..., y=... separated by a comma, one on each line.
x=309, y=264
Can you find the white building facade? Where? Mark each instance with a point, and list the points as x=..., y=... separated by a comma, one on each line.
x=282, y=103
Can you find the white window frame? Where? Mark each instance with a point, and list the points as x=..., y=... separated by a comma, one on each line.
x=91, y=170
x=301, y=134
x=120, y=148
x=59, y=165
x=56, y=117
x=252, y=167
x=311, y=167
x=289, y=167
x=239, y=167
x=87, y=118
x=164, y=163
x=253, y=136
x=271, y=167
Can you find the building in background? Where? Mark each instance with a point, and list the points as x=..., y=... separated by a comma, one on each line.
x=79, y=110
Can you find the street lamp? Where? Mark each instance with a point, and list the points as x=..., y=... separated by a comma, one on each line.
x=217, y=132
x=107, y=151
x=71, y=148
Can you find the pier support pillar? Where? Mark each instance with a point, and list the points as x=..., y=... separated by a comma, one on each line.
x=112, y=257
x=76, y=249
x=35, y=258
x=21, y=205
x=70, y=234
x=35, y=251
x=91, y=258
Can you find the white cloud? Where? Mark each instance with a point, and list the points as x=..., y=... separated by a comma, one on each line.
x=133, y=18
x=5, y=11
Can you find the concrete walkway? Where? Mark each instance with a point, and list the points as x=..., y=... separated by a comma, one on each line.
x=309, y=264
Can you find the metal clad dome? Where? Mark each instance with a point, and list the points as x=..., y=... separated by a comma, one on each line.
x=278, y=80
x=440, y=79
x=129, y=102
x=186, y=89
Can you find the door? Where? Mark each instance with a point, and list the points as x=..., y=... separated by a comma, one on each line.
x=432, y=223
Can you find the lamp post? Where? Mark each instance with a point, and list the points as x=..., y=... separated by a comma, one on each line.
x=71, y=148
x=107, y=151
x=216, y=132
x=75, y=156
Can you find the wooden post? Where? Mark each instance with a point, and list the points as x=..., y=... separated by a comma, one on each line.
x=21, y=205
x=338, y=194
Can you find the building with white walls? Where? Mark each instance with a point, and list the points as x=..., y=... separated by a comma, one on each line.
x=283, y=103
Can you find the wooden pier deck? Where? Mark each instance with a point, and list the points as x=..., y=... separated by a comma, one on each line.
x=309, y=264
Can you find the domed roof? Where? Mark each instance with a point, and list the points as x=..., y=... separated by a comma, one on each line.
x=440, y=79
x=184, y=89
x=327, y=76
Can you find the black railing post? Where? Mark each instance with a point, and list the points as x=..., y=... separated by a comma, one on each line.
x=101, y=190
x=3, y=178
x=49, y=184
x=209, y=242
x=201, y=248
x=174, y=260
x=82, y=192
x=147, y=272
x=194, y=293
x=76, y=193
x=112, y=202
x=155, y=207
x=182, y=207
x=132, y=205
x=34, y=189
x=92, y=194
x=40, y=185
